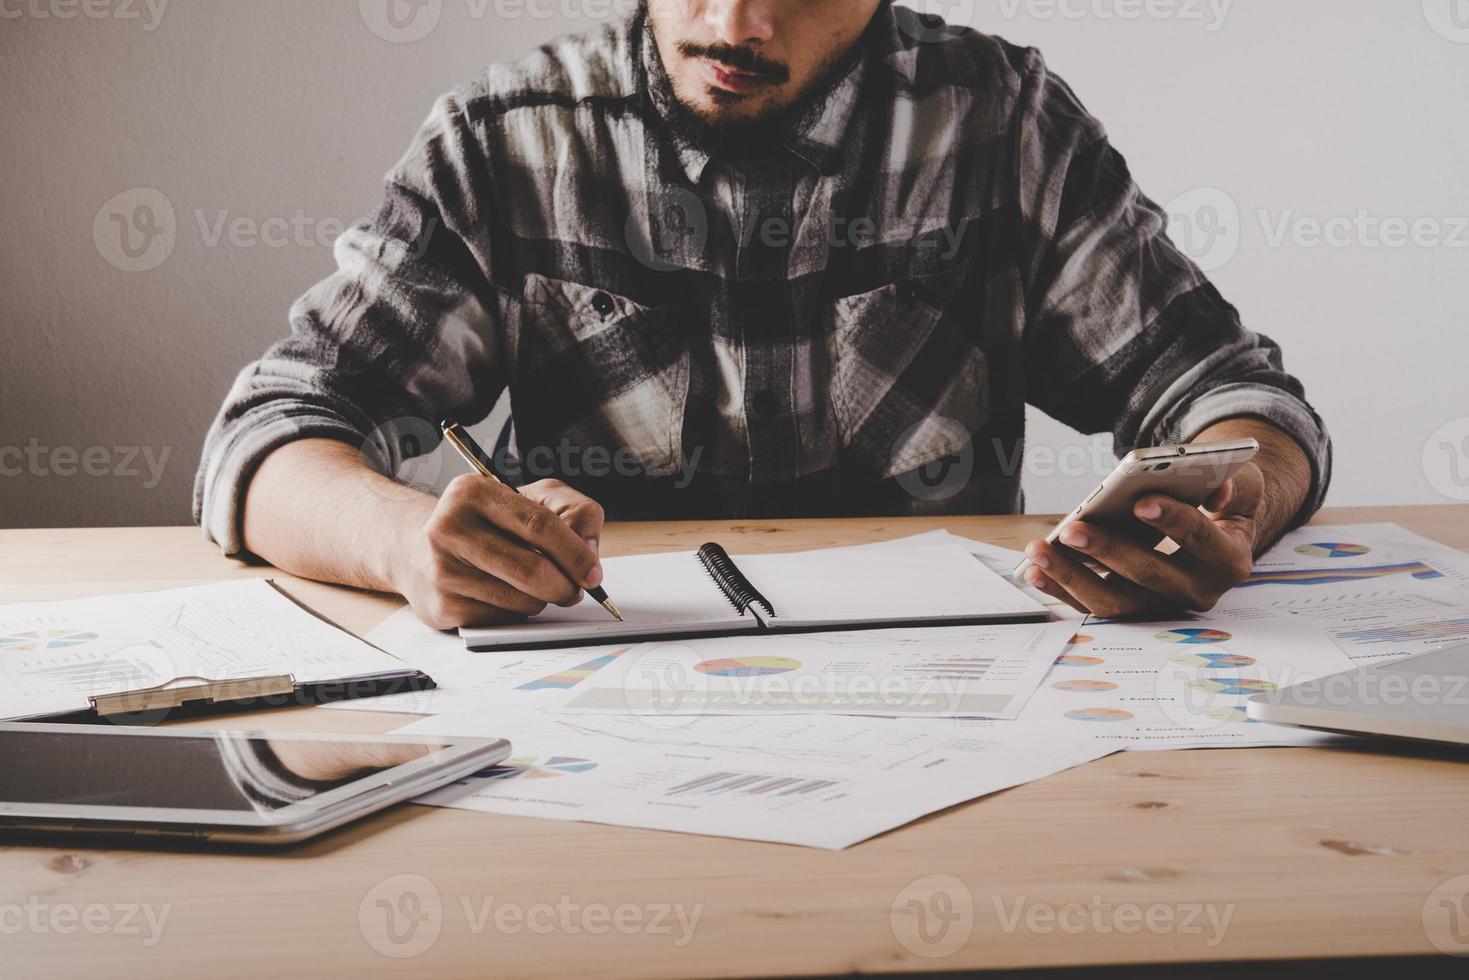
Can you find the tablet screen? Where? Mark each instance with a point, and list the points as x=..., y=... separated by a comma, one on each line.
x=243, y=771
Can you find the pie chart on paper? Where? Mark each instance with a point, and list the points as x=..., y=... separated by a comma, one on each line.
x=1193, y=635
x=533, y=767
x=1331, y=549
x=747, y=666
x=1214, y=661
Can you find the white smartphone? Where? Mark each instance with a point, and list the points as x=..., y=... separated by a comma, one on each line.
x=1189, y=473
x=237, y=787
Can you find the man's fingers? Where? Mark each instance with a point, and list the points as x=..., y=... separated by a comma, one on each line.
x=1196, y=534
x=1108, y=598
x=1152, y=570
x=580, y=512
x=1038, y=579
x=458, y=578
x=539, y=527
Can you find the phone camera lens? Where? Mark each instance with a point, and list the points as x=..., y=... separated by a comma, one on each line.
x=1163, y=466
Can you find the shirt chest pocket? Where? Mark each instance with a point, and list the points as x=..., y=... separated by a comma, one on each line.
x=909, y=383
x=596, y=370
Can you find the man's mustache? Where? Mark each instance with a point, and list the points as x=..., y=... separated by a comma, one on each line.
x=740, y=59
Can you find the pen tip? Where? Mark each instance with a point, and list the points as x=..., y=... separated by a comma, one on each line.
x=612, y=609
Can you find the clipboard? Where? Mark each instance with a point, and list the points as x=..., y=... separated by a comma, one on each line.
x=193, y=697
x=358, y=670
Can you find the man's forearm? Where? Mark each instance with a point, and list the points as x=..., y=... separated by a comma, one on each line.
x=1284, y=466
x=315, y=508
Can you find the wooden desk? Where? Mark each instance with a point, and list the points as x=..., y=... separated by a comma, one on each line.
x=1321, y=853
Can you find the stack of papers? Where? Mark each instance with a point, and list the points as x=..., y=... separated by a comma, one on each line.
x=826, y=739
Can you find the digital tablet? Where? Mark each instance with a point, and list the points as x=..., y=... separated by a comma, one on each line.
x=240, y=787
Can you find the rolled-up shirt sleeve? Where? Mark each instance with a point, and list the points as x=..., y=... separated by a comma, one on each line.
x=1123, y=331
x=402, y=334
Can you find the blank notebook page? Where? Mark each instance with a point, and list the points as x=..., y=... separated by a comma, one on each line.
x=907, y=585
x=654, y=593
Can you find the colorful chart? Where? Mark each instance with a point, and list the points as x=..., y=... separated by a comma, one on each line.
x=1100, y=714
x=1214, y=661
x=1233, y=685
x=1084, y=687
x=571, y=677
x=1079, y=639
x=1444, y=629
x=747, y=666
x=1231, y=716
x=1077, y=660
x=532, y=767
x=1193, y=635
x=1334, y=576
x=1332, y=549
x=32, y=641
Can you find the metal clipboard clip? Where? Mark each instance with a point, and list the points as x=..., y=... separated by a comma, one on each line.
x=187, y=690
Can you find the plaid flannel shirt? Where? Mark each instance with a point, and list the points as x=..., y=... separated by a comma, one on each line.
x=853, y=323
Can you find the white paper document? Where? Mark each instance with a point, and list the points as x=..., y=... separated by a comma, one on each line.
x=492, y=682
x=1379, y=592
x=1180, y=684
x=55, y=655
x=827, y=782
x=974, y=671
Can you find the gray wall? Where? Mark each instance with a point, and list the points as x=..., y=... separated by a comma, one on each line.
x=263, y=126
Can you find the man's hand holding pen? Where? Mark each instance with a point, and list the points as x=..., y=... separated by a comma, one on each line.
x=489, y=556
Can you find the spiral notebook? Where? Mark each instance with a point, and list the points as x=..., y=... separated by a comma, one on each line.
x=710, y=593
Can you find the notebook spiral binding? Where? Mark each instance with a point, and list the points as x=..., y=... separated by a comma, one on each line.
x=731, y=581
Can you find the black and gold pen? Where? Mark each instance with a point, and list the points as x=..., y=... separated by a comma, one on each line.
x=462, y=441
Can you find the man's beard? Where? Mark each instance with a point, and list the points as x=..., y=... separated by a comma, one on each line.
x=736, y=137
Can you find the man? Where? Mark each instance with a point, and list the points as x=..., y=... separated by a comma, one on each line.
x=749, y=258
